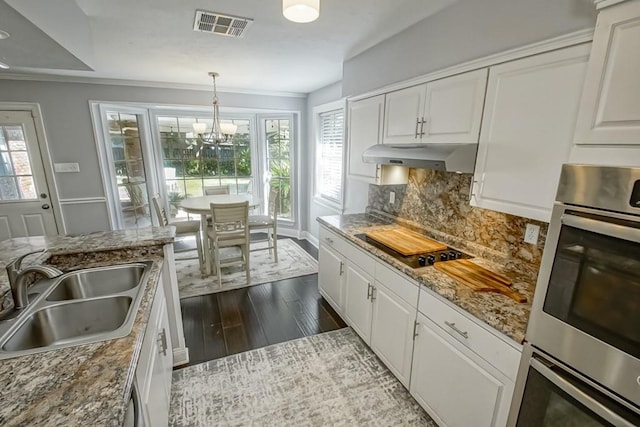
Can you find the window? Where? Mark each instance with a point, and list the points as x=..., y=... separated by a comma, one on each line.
x=329, y=153
x=279, y=159
x=16, y=179
x=189, y=165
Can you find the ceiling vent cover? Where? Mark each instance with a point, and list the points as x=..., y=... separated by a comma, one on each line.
x=217, y=23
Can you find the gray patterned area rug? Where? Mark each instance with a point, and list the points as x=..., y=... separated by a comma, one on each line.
x=327, y=379
x=293, y=261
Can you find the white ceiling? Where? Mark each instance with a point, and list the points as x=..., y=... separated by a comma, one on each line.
x=153, y=40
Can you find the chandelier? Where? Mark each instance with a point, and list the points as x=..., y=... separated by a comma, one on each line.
x=220, y=132
x=301, y=11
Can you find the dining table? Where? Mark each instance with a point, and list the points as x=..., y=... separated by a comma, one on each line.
x=202, y=206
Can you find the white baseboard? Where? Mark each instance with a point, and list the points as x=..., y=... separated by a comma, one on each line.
x=310, y=238
x=180, y=356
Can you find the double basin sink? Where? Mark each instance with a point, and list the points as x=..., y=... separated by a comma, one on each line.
x=80, y=307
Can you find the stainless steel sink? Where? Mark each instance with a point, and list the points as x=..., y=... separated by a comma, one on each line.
x=79, y=307
x=65, y=323
x=97, y=282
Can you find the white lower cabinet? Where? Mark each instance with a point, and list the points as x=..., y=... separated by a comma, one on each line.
x=458, y=369
x=330, y=283
x=392, y=331
x=153, y=373
x=357, y=304
x=453, y=385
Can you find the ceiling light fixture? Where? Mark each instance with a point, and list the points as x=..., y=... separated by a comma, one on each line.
x=4, y=66
x=220, y=132
x=301, y=11
x=4, y=35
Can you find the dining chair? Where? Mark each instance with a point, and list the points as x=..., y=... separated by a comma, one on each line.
x=183, y=229
x=229, y=228
x=268, y=222
x=214, y=190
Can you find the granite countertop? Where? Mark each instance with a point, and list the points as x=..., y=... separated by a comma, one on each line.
x=496, y=310
x=87, y=384
x=63, y=245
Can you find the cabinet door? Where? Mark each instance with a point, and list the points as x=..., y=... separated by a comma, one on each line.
x=330, y=269
x=392, y=332
x=453, y=108
x=357, y=306
x=450, y=386
x=403, y=110
x=158, y=394
x=365, y=130
x=530, y=111
x=166, y=354
x=610, y=109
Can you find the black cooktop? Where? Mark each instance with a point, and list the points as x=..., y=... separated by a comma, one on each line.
x=420, y=260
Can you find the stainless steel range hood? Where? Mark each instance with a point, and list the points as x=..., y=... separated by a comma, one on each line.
x=443, y=157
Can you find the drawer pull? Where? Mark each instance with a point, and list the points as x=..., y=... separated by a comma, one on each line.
x=369, y=290
x=453, y=326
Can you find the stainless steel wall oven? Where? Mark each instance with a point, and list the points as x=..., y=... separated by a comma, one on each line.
x=584, y=331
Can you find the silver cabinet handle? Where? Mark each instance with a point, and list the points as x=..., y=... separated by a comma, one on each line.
x=422, y=123
x=341, y=268
x=453, y=326
x=373, y=293
x=369, y=291
x=415, y=135
x=162, y=339
x=415, y=328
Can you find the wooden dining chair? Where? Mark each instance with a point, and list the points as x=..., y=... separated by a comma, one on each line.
x=229, y=228
x=269, y=223
x=183, y=229
x=214, y=190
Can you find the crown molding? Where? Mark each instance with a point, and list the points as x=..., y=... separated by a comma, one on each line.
x=566, y=40
x=141, y=83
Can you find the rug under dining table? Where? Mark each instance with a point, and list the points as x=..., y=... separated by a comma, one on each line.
x=293, y=261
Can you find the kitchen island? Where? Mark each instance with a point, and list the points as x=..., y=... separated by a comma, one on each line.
x=87, y=384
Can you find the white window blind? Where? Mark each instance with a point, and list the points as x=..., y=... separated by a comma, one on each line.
x=329, y=155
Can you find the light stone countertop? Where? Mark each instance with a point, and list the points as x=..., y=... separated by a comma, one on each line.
x=88, y=384
x=496, y=310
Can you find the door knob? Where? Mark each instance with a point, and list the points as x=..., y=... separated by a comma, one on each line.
x=45, y=206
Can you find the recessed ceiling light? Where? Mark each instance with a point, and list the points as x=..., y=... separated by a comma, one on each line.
x=4, y=66
x=4, y=35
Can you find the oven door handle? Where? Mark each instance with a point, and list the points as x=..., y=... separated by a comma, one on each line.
x=602, y=227
x=580, y=395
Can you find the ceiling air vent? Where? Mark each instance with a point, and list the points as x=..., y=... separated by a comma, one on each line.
x=217, y=23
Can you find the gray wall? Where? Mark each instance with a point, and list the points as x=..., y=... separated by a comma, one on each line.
x=321, y=96
x=70, y=136
x=467, y=30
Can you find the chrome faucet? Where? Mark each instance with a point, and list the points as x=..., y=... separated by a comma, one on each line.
x=18, y=278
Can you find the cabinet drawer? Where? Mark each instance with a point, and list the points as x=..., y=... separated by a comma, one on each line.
x=484, y=343
x=337, y=242
x=143, y=368
x=398, y=284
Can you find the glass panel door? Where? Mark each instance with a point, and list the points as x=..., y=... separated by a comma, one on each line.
x=128, y=163
x=279, y=142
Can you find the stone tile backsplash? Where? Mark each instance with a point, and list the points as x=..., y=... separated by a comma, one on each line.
x=439, y=201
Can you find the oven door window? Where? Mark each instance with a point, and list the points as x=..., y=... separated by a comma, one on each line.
x=544, y=404
x=595, y=287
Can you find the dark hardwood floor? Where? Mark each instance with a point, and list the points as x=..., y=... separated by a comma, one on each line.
x=225, y=323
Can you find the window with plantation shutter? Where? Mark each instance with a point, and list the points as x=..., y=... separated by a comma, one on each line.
x=329, y=152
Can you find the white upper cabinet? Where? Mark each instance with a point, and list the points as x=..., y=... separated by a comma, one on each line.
x=403, y=115
x=453, y=108
x=527, y=131
x=610, y=108
x=446, y=110
x=365, y=130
